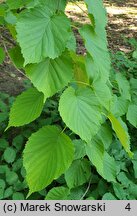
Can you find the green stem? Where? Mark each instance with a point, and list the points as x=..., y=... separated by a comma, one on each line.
x=64, y=129
x=80, y=82
x=89, y=184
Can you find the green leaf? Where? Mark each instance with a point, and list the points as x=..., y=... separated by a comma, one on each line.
x=47, y=36
x=17, y=4
x=121, y=133
x=134, y=55
x=17, y=165
x=105, y=135
x=32, y=3
x=43, y=192
x=18, y=141
x=103, y=93
x=58, y=193
x=56, y=5
x=9, y=155
x=71, y=44
x=109, y=165
x=76, y=193
x=98, y=24
x=80, y=74
x=95, y=7
x=3, y=144
x=119, y=191
x=102, y=187
x=12, y=30
x=16, y=56
x=78, y=173
x=122, y=178
x=23, y=172
x=133, y=191
x=10, y=18
x=80, y=111
x=133, y=84
x=26, y=108
x=3, y=106
x=4, y=169
x=104, y=164
x=3, y=8
x=11, y=177
x=90, y=198
x=119, y=106
x=47, y=155
x=3, y=117
x=61, y=180
x=2, y=55
x=80, y=151
x=135, y=167
x=1, y=193
x=8, y=192
x=2, y=184
x=132, y=114
x=18, y=196
x=51, y=75
x=123, y=85
x=108, y=196
x=98, y=64
x=2, y=21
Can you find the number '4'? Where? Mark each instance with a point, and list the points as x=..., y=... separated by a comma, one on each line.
x=128, y=207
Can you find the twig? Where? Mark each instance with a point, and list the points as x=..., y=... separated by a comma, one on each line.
x=86, y=189
x=9, y=40
x=6, y=37
x=80, y=7
x=6, y=50
x=75, y=27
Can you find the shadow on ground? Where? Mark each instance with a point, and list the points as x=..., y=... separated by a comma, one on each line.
x=122, y=23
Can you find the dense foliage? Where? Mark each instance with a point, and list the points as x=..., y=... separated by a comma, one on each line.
x=81, y=128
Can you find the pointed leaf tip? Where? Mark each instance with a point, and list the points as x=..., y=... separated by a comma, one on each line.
x=47, y=155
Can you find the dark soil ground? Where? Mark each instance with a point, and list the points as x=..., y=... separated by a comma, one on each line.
x=122, y=23
x=11, y=81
